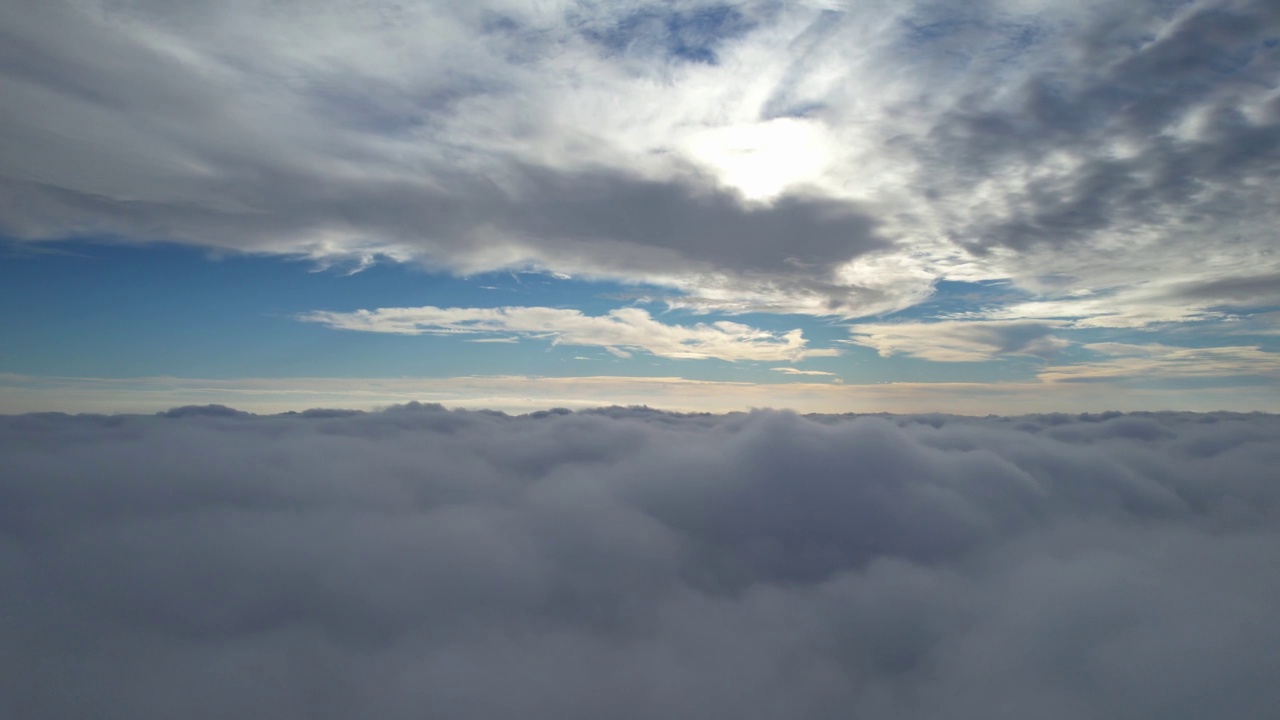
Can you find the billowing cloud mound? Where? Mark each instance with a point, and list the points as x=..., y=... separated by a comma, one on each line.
x=629, y=563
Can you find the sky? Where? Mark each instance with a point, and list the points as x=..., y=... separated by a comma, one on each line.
x=998, y=206
x=541, y=359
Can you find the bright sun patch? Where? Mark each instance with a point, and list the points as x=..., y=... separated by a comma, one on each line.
x=762, y=160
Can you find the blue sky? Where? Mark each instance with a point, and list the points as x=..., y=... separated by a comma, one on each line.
x=973, y=208
x=99, y=309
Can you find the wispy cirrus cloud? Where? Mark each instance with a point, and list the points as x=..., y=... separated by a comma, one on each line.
x=1154, y=361
x=961, y=341
x=618, y=331
x=798, y=371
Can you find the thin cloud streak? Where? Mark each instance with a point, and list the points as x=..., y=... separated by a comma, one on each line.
x=618, y=331
x=961, y=341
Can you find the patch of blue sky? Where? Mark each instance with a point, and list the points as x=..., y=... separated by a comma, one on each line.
x=951, y=298
x=965, y=33
x=109, y=310
x=659, y=30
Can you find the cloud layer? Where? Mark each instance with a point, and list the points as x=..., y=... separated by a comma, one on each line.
x=630, y=563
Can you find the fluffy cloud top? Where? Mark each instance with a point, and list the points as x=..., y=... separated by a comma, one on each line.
x=633, y=564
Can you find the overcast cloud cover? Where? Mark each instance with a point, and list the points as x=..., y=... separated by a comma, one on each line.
x=628, y=563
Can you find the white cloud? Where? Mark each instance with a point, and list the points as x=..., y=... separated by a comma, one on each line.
x=1181, y=299
x=960, y=341
x=621, y=329
x=798, y=371
x=628, y=563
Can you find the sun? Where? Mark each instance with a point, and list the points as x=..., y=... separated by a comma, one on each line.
x=762, y=160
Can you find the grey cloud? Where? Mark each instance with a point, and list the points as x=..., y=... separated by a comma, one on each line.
x=1246, y=291
x=961, y=341
x=699, y=224
x=600, y=221
x=1133, y=76
x=632, y=563
x=122, y=135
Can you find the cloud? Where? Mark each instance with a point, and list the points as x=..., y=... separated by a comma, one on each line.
x=632, y=563
x=1151, y=303
x=798, y=371
x=1156, y=361
x=960, y=341
x=470, y=139
x=743, y=155
x=1123, y=143
x=631, y=328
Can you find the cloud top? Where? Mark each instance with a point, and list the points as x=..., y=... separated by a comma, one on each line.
x=633, y=563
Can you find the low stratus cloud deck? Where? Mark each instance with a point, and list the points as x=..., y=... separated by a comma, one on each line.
x=633, y=563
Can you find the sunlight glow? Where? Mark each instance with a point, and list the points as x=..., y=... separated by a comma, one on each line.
x=762, y=160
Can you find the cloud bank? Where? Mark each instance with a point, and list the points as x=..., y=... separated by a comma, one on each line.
x=635, y=564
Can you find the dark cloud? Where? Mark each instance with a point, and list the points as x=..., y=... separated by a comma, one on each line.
x=631, y=563
x=1246, y=291
x=1160, y=111
x=699, y=224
